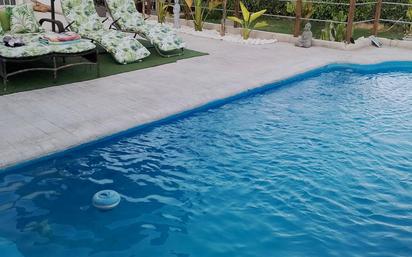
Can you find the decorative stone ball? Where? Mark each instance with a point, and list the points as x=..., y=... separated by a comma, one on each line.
x=106, y=199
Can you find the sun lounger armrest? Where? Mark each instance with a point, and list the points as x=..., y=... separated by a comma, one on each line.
x=59, y=25
x=113, y=24
x=67, y=28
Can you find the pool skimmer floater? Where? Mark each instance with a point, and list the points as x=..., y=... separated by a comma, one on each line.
x=106, y=199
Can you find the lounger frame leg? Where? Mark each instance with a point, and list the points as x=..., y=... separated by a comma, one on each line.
x=91, y=57
x=4, y=74
x=96, y=61
x=164, y=54
x=54, y=69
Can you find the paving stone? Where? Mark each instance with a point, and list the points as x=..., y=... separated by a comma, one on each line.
x=48, y=120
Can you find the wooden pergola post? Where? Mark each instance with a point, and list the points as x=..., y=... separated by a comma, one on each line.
x=148, y=7
x=298, y=17
x=351, y=16
x=237, y=12
x=378, y=10
x=224, y=14
x=143, y=8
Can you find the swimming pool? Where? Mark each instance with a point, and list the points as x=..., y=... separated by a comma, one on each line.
x=313, y=167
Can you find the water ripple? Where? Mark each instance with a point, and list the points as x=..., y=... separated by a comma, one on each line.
x=319, y=168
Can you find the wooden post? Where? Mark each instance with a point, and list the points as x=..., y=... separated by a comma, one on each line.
x=298, y=17
x=224, y=14
x=237, y=12
x=148, y=7
x=351, y=16
x=378, y=10
x=143, y=9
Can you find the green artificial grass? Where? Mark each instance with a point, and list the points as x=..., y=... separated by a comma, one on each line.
x=41, y=79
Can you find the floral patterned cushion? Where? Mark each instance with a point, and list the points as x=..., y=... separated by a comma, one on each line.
x=161, y=35
x=129, y=19
x=87, y=23
x=78, y=47
x=81, y=15
x=30, y=50
x=28, y=37
x=32, y=47
x=22, y=19
x=124, y=48
x=126, y=14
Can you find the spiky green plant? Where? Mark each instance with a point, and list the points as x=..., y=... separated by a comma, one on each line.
x=325, y=33
x=335, y=31
x=339, y=30
x=307, y=8
x=408, y=30
x=249, y=21
x=162, y=10
x=200, y=14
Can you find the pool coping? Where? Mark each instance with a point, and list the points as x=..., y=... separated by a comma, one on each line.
x=381, y=67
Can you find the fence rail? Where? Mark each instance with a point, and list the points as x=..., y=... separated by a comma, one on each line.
x=351, y=6
x=7, y=2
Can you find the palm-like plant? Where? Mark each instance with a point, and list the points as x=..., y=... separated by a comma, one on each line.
x=200, y=14
x=161, y=10
x=339, y=30
x=408, y=29
x=249, y=21
x=307, y=8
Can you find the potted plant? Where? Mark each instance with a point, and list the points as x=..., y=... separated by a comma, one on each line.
x=201, y=11
x=249, y=21
x=162, y=11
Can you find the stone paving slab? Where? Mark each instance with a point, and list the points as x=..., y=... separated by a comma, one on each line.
x=44, y=121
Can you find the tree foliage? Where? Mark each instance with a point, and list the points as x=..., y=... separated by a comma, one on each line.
x=328, y=11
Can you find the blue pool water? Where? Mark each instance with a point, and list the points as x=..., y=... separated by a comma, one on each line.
x=320, y=167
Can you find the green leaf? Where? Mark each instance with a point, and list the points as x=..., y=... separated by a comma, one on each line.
x=235, y=19
x=245, y=12
x=261, y=24
x=256, y=15
x=214, y=4
x=290, y=7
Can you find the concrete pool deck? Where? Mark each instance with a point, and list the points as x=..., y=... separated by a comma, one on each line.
x=44, y=121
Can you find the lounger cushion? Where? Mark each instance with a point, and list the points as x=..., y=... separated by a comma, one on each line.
x=125, y=12
x=123, y=47
x=70, y=47
x=22, y=19
x=129, y=19
x=32, y=47
x=85, y=21
x=81, y=15
x=30, y=50
x=161, y=35
x=81, y=46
